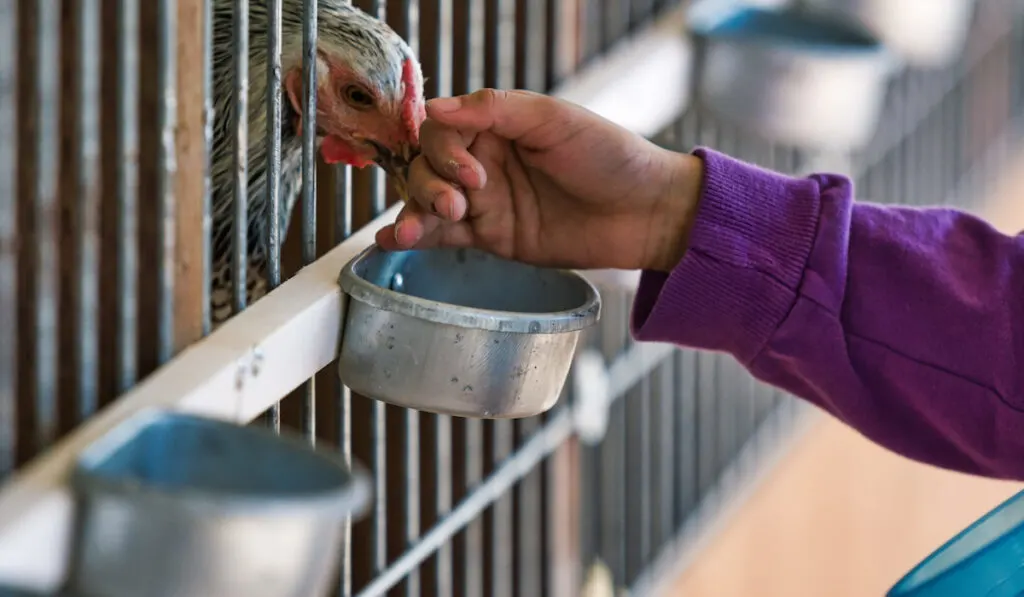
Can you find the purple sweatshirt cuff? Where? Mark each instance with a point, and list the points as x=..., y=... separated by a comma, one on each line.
x=748, y=251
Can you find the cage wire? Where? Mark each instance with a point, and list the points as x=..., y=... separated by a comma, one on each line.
x=103, y=273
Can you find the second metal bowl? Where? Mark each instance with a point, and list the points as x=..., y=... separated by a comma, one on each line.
x=927, y=33
x=461, y=332
x=173, y=504
x=789, y=76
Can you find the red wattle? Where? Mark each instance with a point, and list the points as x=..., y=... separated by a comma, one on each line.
x=336, y=151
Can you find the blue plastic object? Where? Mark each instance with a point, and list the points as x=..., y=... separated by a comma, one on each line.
x=985, y=560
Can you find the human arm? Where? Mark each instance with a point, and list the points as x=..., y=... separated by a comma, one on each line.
x=904, y=323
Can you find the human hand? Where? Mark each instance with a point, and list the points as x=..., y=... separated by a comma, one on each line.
x=540, y=180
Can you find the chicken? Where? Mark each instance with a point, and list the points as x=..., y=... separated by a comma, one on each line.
x=370, y=106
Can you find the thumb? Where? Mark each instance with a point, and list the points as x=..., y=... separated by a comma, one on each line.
x=517, y=115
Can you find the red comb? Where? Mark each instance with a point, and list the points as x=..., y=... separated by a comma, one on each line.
x=413, y=110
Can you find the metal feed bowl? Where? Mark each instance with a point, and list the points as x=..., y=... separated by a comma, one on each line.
x=171, y=504
x=789, y=76
x=460, y=331
x=927, y=33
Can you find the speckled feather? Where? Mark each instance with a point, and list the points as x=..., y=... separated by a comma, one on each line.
x=365, y=43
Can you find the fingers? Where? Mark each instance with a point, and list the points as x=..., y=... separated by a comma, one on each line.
x=520, y=116
x=412, y=225
x=434, y=194
x=416, y=229
x=446, y=149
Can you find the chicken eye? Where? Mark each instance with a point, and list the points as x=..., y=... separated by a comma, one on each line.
x=358, y=98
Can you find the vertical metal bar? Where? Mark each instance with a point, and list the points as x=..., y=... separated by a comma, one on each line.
x=167, y=112
x=501, y=533
x=342, y=230
x=725, y=407
x=380, y=493
x=473, y=578
x=477, y=40
x=958, y=126
x=707, y=465
x=614, y=476
x=47, y=272
x=634, y=446
x=412, y=492
x=747, y=421
x=88, y=205
x=472, y=563
x=127, y=191
x=529, y=576
x=497, y=69
x=507, y=40
x=378, y=192
x=241, y=156
x=8, y=236
x=474, y=36
x=906, y=192
x=379, y=189
x=274, y=119
x=443, y=423
x=274, y=109
x=667, y=395
x=590, y=505
x=443, y=460
x=309, y=45
x=646, y=483
x=208, y=116
x=413, y=487
x=687, y=432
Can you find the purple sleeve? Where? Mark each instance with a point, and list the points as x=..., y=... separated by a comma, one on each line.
x=904, y=323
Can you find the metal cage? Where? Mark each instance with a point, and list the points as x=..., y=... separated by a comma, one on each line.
x=105, y=120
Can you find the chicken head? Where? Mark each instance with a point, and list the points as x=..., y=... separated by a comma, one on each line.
x=370, y=102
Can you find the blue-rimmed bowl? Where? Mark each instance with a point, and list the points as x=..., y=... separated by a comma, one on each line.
x=984, y=560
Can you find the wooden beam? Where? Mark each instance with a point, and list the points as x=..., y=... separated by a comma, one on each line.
x=190, y=144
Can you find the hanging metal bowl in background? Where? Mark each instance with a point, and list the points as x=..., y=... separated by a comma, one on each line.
x=460, y=331
x=926, y=33
x=172, y=504
x=789, y=76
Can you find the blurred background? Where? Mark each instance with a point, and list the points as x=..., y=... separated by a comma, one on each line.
x=704, y=483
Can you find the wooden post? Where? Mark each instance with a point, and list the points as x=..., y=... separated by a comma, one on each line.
x=190, y=144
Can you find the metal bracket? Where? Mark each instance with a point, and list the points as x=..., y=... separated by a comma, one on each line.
x=592, y=393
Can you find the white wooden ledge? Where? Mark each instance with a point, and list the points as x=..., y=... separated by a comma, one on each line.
x=265, y=352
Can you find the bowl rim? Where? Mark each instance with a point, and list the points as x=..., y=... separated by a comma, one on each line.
x=350, y=498
x=385, y=299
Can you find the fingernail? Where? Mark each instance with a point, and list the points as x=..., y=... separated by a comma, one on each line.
x=445, y=104
x=398, y=232
x=451, y=211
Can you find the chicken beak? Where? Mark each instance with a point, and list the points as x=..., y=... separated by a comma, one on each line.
x=396, y=165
